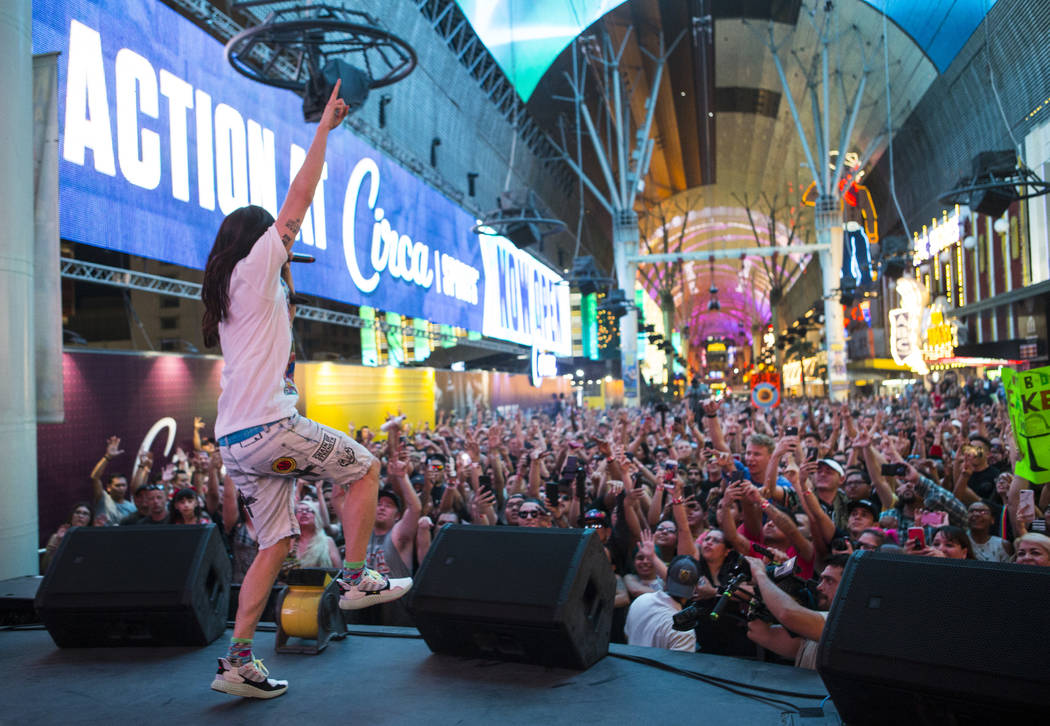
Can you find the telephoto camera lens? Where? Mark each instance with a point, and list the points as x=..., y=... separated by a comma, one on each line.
x=686, y=619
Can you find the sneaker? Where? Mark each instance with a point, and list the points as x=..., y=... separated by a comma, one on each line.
x=371, y=588
x=248, y=680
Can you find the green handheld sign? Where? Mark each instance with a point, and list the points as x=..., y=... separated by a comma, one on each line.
x=1028, y=403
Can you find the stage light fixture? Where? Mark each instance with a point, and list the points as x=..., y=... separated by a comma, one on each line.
x=587, y=277
x=320, y=38
x=615, y=303
x=997, y=180
x=519, y=217
x=353, y=91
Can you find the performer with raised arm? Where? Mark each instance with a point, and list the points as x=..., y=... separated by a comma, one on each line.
x=265, y=444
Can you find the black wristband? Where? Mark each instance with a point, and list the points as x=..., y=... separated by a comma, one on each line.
x=710, y=415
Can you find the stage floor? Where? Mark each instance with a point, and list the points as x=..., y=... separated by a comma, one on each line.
x=371, y=677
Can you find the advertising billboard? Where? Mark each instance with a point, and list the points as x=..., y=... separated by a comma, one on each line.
x=160, y=140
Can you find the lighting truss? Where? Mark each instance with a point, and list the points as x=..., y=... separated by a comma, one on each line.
x=145, y=282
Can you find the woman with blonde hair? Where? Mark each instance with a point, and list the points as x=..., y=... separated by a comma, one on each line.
x=312, y=548
x=1032, y=549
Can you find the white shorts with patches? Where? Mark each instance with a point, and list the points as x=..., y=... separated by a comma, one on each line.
x=265, y=467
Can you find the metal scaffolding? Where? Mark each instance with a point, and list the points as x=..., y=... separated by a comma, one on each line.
x=826, y=176
x=623, y=156
x=145, y=282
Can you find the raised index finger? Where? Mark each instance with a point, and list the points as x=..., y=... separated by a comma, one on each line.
x=335, y=90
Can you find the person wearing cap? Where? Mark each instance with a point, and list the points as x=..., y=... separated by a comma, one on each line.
x=157, y=511
x=650, y=617
x=391, y=545
x=598, y=520
x=862, y=515
x=827, y=483
x=398, y=509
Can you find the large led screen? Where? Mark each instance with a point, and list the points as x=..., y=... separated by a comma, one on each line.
x=160, y=138
x=525, y=36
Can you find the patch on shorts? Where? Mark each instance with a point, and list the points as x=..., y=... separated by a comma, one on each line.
x=283, y=465
x=348, y=457
x=325, y=449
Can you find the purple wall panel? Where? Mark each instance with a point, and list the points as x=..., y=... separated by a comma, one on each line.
x=121, y=394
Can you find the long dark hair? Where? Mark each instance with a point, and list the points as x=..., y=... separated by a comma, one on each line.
x=174, y=515
x=237, y=234
x=87, y=506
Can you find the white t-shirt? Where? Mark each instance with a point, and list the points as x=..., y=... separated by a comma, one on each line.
x=256, y=339
x=649, y=621
x=806, y=657
x=994, y=550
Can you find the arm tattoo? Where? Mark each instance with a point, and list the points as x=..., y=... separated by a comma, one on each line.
x=293, y=228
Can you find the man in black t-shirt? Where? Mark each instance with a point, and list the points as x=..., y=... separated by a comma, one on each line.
x=982, y=474
x=156, y=505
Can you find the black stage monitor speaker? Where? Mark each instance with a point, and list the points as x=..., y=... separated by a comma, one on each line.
x=1001, y=163
x=994, y=202
x=515, y=593
x=989, y=166
x=921, y=640
x=145, y=585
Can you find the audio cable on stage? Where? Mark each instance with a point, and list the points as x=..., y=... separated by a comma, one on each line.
x=732, y=686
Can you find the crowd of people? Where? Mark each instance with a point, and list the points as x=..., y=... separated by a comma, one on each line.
x=682, y=497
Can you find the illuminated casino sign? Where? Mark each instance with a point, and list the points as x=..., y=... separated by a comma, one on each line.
x=160, y=140
x=906, y=326
x=920, y=333
x=941, y=336
x=940, y=235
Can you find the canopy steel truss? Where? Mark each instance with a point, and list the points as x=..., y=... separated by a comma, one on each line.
x=145, y=282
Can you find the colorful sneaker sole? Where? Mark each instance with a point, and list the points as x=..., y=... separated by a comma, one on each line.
x=358, y=600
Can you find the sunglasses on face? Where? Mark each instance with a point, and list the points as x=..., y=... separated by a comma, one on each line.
x=529, y=513
x=672, y=530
